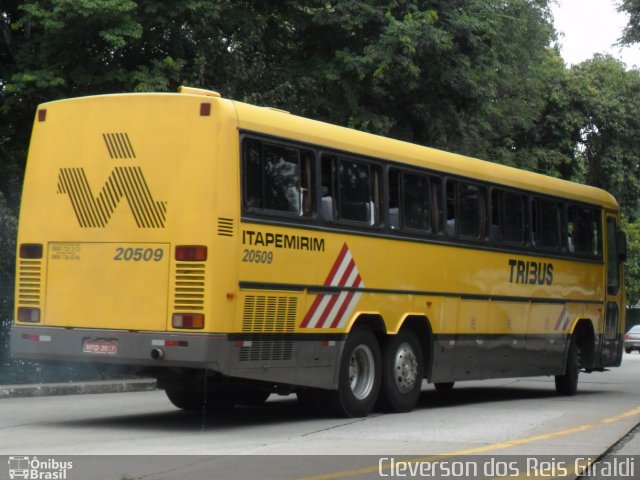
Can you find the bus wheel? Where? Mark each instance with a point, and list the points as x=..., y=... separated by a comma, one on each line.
x=402, y=372
x=187, y=397
x=359, y=376
x=567, y=384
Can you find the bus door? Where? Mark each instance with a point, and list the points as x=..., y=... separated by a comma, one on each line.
x=615, y=251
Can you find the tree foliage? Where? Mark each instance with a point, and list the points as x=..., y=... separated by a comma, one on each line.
x=631, y=33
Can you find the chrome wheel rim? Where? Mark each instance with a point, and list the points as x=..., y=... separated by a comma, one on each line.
x=405, y=368
x=361, y=372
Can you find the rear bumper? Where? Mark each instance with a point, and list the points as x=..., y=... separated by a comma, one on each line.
x=303, y=360
x=133, y=348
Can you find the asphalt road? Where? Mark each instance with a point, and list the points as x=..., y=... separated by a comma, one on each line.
x=143, y=435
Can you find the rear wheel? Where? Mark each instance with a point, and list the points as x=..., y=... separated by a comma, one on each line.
x=567, y=384
x=194, y=398
x=359, y=376
x=402, y=372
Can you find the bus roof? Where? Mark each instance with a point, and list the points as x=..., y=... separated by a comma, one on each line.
x=278, y=123
x=282, y=124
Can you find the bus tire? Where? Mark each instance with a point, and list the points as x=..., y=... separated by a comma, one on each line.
x=402, y=372
x=191, y=399
x=185, y=398
x=359, y=375
x=567, y=384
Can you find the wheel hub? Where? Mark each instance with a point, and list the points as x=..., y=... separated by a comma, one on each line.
x=406, y=368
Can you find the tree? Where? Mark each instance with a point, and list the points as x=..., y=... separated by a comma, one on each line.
x=631, y=33
x=608, y=98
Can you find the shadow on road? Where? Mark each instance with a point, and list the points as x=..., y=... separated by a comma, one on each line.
x=280, y=410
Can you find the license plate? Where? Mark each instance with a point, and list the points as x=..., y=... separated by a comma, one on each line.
x=100, y=346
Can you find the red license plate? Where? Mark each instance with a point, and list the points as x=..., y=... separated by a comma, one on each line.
x=100, y=346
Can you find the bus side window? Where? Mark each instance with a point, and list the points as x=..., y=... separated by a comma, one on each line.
x=546, y=224
x=328, y=194
x=471, y=210
x=277, y=178
x=416, y=204
x=436, y=201
x=584, y=231
x=394, y=199
x=451, y=197
x=350, y=190
x=513, y=218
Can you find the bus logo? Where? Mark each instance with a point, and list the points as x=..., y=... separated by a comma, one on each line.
x=332, y=310
x=18, y=467
x=127, y=182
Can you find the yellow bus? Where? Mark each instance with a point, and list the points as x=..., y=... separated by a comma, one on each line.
x=232, y=251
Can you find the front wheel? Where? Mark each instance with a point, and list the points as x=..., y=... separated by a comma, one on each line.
x=402, y=372
x=567, y=384
x=359, y=376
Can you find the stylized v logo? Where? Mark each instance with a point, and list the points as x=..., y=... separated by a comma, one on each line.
x=95, y=212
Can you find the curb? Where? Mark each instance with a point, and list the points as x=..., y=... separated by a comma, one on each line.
x=78, y=388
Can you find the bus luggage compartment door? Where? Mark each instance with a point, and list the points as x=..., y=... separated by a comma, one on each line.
x=107, y=285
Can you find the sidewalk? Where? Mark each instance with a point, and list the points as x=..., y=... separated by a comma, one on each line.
x=77, y=388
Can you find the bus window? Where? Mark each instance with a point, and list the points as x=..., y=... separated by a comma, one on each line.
x=436, y=201
x=394, y=199
x=514, y=218
x=546, y=224
x=277, y=178
x=416, y=193
x=584, y=232
x=355, y=185
x=471, y=215
x=451, y=208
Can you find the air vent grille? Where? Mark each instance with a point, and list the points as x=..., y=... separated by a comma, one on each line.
x=269, y=314
x=268, y=348
x=225, y=227
x=29, y=282
x=189, y=287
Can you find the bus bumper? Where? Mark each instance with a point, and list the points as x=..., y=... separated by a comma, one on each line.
x=304, y=362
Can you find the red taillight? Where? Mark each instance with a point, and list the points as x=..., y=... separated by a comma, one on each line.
x=188, y=320
x=191, y=253
x=627, y=337
x=31, y=250
x=28, y=314
x=42, y=114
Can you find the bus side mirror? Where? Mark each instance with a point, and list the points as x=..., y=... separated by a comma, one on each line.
x=621, y=245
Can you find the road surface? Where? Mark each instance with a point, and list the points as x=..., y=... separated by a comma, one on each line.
x=145, y=436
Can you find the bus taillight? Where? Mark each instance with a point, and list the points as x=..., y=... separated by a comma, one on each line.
x=31, y=250
x=28, y=314
x=191, y=253
x=188, y=320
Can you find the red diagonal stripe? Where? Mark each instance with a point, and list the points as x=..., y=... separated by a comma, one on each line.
x=336, y=265
x=346, y=303
x=334, y=298
x=327, y=282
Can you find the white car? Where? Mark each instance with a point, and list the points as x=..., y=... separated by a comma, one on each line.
x=632, y=339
